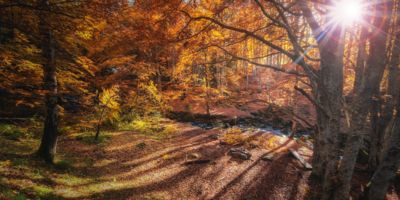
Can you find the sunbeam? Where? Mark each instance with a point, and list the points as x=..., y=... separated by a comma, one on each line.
x=347, y=12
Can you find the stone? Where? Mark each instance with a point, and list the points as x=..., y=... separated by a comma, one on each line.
x=214, y=136
x=268, y=157
x=239, y=153
x=221, y=142
x=193, y=156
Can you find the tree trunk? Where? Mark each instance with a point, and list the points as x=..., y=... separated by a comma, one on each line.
x=378, y=134
x=48, y=144
x=330, y=91
x=387, y=170
x=361, y=57
x=363, y=99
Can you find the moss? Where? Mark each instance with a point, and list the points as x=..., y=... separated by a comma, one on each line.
x=71, y=180
x=43, y=191
x=19, y=196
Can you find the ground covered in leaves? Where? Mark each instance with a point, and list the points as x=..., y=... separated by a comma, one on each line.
x=129, y=165
x=132, y=165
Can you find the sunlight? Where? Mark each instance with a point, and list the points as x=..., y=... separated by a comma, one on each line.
x=347, y=12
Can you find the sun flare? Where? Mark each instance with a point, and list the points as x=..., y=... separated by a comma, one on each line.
x=347, y=12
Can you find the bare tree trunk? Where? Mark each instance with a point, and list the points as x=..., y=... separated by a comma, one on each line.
x=387, y=169
x=330, y=88
x=361, y=57
x=363, y=100
x=386, y=115
x=328, y=92
x=48, y=143
x=207, y=76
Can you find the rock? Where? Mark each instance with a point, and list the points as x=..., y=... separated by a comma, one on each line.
x=221, y=142
x=239, y=153
x=141, y=145
x=226, y=125
x=214, y=136
x=193, y=156
x=268, y=157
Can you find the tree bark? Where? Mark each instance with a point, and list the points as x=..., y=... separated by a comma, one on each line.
x=361, y=57
x=330, y=91
x=386, y=115
x=387, y=169
x=48, y=144
x=363, y=99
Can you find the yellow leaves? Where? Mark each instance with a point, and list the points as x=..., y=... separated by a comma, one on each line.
x=86, y=64
x=185, y=60
x=109, y=100
x=86, y=34
x=109, y=97
x=26, y=65
x=156, y=16
x=234, y=136
x=153, y=91
x=216, y=34
x=271, y=142
x=88, y=27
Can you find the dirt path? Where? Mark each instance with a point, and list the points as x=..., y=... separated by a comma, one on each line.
x=132, y=166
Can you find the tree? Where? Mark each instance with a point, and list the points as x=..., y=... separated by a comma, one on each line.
x=47, y=147
x=386, y=171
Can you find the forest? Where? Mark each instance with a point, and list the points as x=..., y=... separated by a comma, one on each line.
x=200, y=99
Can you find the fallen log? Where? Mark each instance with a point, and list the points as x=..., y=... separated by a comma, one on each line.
x=306, y=165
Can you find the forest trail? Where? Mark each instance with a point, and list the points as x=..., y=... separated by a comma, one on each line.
x=134, y=166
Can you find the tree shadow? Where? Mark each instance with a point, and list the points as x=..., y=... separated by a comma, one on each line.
x=238, y=178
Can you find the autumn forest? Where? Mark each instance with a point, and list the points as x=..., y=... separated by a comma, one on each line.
x=200, y=99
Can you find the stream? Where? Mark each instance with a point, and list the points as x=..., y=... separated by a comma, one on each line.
x=245, y=126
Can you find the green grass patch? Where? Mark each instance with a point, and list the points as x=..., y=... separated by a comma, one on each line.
x=89, y=137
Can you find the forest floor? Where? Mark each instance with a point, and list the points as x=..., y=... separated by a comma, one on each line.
x=153, y=166
x=136, y=166
x=129, y=165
